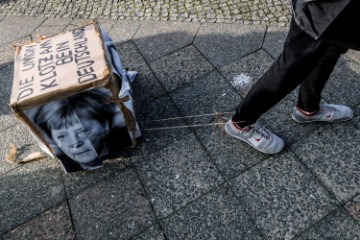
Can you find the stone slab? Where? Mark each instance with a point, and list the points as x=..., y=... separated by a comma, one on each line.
x=77, y=182
x=281, y=123
x=161, y=124
x=223, y=43
x=337, y=225
x=145, y=87
x=115, y=208
x=231, y=156
x=353, y=55
x=242, y=74
x=123, y=30
x=274, y=40
x=153, y=233
x=6, y=82
x=29, y=190
x=157, y=39
x=217, y=215
x=53, y=224
x=7, y=51
x=51, y=27
x=194, y=99
x=332, y=154
x=180, y=68
x=342, y=82
x=177, y=175
x=353, y=206
x=10, y=26
x=20, y=137
x=282, y=196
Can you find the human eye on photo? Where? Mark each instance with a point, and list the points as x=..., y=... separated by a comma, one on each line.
x=83, y=132
x=61, y=137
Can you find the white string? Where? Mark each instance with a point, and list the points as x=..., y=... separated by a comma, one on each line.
x=216, y=114
x=191, y=116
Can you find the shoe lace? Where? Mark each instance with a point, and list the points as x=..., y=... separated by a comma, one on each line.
x=262, y=131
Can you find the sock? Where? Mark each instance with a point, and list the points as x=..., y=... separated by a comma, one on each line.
x=308, y=114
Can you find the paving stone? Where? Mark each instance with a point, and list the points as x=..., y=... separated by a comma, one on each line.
x=52, y=224
x=51, y=27
x=6, y=82
x=243, y=73
x=177, y=174
x=146, y=87
x=79, y=181
x=107, y=24
x=274, y=40
x=271, y=12
x=206, y=95
x=344, y=79
x=282, y=196
x=225, y=43
x=116, y=208
x=180, y=68
x=280, y=122
x=157, y=39
x=152, y=233
x=10, y=26
x=7, y=119
x=161, y=124
x=131, y=58
x=78, y=22
x=217, y=215
x=7, y=51
x=332, y=153
x=29, y=190
x=123, y=30
x=353, y=55
x=353, y=207
x=337, y=225
x=230, y=155
x=19, y=136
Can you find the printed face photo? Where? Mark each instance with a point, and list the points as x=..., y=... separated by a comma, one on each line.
x=82, y=140
x=80, y=129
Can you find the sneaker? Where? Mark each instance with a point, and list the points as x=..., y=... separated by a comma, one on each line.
x=327, y=113
x=256, y=136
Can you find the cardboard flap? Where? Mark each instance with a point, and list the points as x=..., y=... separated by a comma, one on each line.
x=50, y=66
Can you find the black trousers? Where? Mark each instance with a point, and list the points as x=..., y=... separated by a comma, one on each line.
x=304, y=61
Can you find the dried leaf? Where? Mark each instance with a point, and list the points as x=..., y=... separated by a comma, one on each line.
x=12, y=154
x=40, y=36
x=11, y=158
x=33, y=157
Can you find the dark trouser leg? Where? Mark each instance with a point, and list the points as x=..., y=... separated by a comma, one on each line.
x=312, y=86
x=300, y=56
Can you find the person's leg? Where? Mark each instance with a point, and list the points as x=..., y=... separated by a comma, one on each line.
x=311, y=88
x=300, y=56
x=308, y=108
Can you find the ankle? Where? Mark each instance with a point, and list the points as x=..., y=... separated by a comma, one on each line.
x=309, y=114
x=236, y=125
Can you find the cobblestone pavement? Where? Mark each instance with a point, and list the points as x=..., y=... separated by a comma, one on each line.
x=192, y=182
x=271, y=12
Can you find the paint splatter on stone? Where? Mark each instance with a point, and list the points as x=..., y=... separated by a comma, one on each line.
x=241, y=82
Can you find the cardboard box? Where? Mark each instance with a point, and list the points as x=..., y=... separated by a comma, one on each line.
x=72, y=93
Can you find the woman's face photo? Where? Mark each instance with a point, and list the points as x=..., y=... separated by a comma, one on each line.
x=82, y=141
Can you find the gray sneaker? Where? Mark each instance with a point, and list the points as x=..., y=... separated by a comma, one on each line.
x=256, y=136
x=327, y=113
